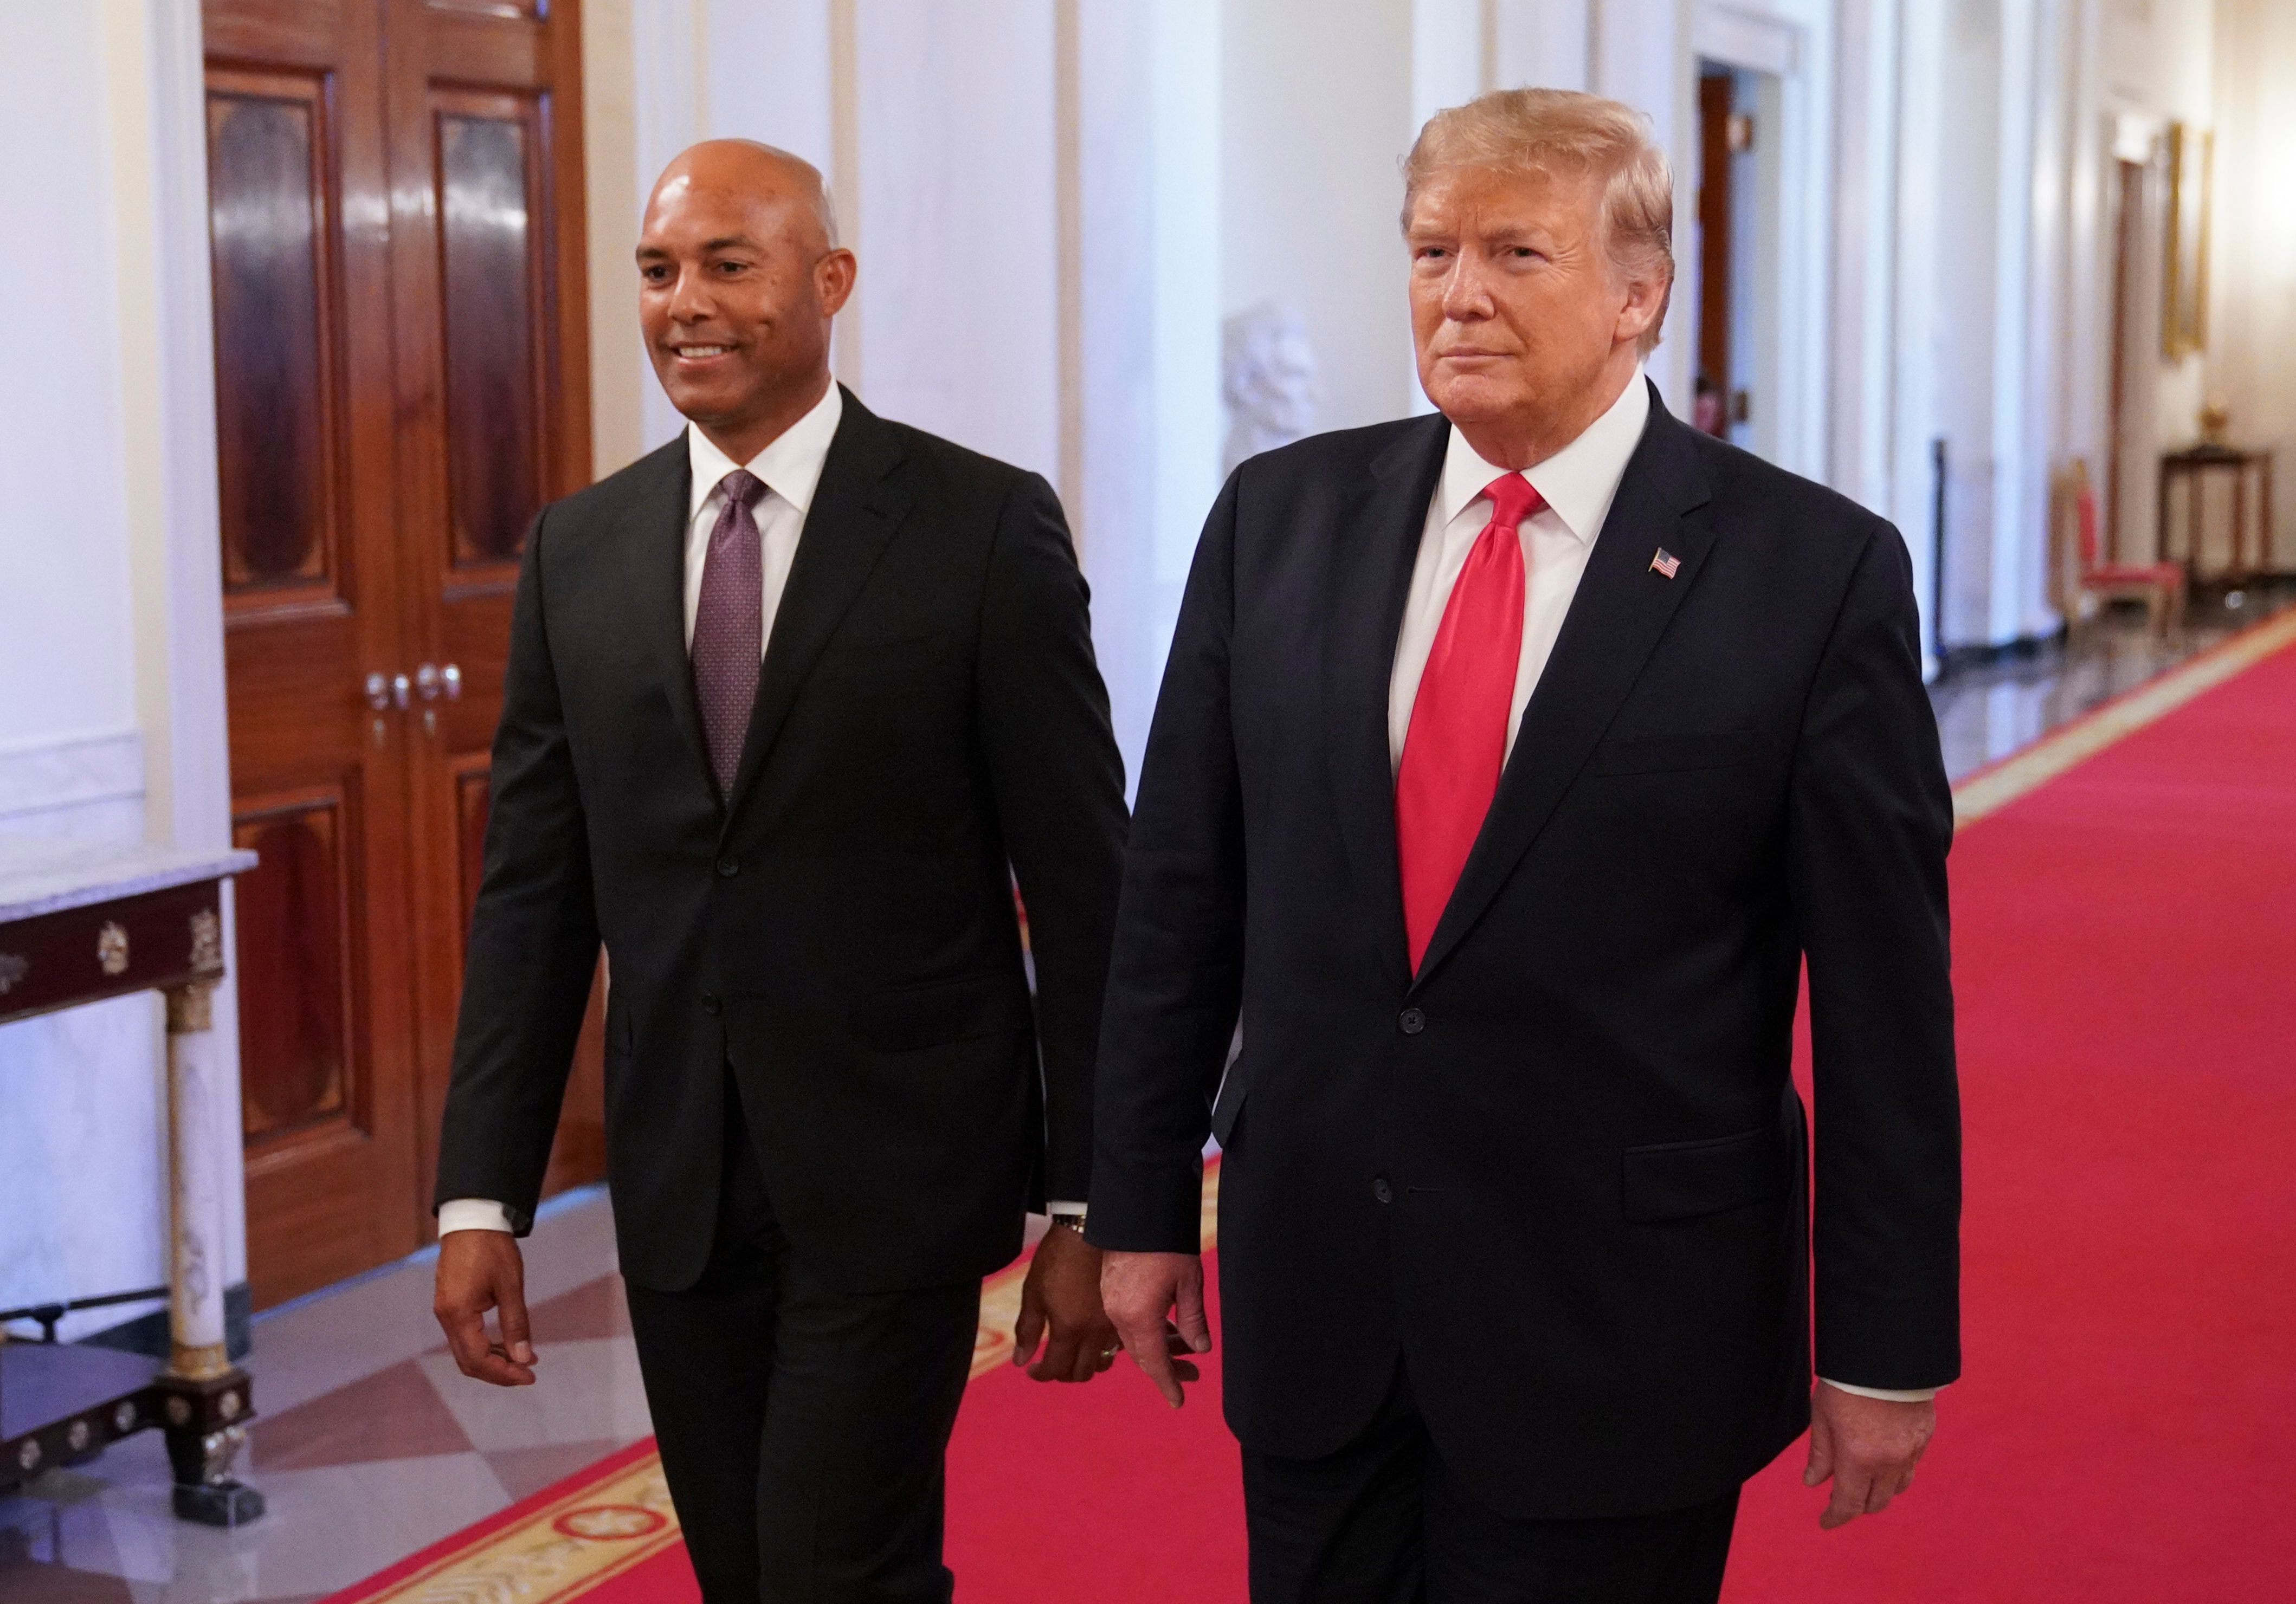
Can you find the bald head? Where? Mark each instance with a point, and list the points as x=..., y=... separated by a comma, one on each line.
x=738, y=276
x=763, y=172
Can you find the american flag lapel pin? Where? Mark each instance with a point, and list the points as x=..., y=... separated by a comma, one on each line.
x=1665, y=563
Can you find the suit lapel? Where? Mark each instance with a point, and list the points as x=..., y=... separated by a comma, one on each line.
x=1370, y=582
x=1615, y=620
x=853, y=518
x=653, y=542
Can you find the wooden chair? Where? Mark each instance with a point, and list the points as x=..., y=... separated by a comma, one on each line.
x=2159, y=585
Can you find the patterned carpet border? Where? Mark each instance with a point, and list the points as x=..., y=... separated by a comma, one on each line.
x=563, y=1542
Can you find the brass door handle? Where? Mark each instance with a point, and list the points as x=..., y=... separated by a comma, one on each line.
x=432, y=681
x=384, y=692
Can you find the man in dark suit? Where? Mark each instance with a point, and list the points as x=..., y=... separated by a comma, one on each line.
x=1508, y=766
x=791, y=706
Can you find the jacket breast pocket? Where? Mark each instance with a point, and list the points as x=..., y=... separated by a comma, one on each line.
x=1688, y=1180
x=1673, y=753
x=914, y=1017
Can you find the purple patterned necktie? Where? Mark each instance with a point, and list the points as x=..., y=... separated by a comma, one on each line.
x=729, y=627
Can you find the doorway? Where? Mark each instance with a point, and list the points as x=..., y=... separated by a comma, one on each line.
x=395, y=198
x=1736, y=390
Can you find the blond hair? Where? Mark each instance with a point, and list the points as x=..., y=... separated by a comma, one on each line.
x=1561, y=131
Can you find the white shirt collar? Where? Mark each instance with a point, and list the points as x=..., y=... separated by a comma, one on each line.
x=1578, y=481
x=790, y=465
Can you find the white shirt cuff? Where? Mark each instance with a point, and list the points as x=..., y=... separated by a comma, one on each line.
x=1062, y=1206
x=472, y=1213
x=1913, y=1394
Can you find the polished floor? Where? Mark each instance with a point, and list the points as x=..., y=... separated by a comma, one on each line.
x=1987, y=712
x=370, y=1445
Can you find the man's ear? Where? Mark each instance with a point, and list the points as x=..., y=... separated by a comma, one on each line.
x=1646, y=300
x=833, y=279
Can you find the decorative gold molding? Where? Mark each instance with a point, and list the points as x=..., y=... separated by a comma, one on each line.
x=191, y=1008
x=202, y=1364
x=207, y=941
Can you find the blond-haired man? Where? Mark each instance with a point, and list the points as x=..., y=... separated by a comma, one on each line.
x=1508, y=766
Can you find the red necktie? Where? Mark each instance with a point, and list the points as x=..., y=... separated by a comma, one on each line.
x=1457, y=744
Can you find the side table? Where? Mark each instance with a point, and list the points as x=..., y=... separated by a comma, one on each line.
x=81, y=921
x=2193, y=466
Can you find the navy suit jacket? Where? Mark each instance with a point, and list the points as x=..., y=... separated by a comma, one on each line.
x=1561, y=1172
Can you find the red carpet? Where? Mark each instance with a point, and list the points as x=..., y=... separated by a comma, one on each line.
x=2125, y=961
x=1101, y=1492
x=2125, y=942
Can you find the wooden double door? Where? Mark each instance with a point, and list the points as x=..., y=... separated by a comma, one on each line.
x=395, y=192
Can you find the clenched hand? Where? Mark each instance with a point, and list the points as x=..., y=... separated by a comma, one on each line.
x=1868, y=1446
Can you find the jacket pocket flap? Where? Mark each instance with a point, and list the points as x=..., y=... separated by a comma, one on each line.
x=1684, y=1180
x=947, y=1012
x=1672, y=754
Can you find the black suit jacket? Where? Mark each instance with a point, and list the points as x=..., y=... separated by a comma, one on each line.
x=929, y=725
x=1560, y=1172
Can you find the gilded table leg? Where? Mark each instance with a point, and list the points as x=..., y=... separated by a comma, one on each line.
x=205, y=1400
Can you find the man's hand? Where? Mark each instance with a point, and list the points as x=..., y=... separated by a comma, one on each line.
x=1157, y=1303
x=1063, y=1292
x=478, y=1270
x=1869, y=1446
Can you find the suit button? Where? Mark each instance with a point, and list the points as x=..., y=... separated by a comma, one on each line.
x=1380, y=1190
x=727, y=868
x=1412, y=1022
x=711, y=1005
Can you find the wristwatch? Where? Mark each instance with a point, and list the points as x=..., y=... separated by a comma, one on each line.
x=1074, y=1221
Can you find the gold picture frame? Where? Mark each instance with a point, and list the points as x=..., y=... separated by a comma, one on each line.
x=2184, y=284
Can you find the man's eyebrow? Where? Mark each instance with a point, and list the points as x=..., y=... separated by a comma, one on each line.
x=730, y=242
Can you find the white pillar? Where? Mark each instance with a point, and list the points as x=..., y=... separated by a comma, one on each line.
x=196, y=1082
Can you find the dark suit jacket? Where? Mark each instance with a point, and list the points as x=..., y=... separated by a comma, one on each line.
x=1560, y=1172
x=843, y=932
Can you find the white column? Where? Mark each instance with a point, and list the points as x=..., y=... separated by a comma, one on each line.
x=197, y=1082
x=1921, y=48
x=1147, y=88
x=2020, y=513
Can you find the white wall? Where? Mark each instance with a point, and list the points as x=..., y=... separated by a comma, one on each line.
x=1317, y=114
x=959, y=294
x=111, y=706
x=2250, y=362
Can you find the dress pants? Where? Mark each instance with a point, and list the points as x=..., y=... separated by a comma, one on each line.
x=803, y=1430
x=1383, y=1521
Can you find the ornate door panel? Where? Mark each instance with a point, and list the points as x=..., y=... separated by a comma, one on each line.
x=312, y=601
x=492, y=330
x=394, y=197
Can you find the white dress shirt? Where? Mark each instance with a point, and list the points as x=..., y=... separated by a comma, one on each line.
x=1577, y=485
x=789, y=468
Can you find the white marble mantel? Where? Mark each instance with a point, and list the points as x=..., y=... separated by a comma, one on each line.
x=47, y=874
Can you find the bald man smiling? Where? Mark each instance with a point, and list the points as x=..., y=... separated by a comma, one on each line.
x=791, y=704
